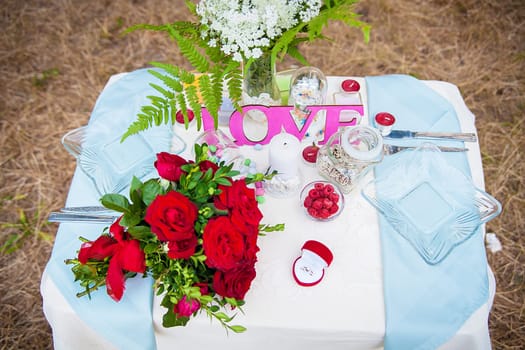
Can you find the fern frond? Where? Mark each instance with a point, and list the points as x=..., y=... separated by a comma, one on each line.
x=192, y=7
x=193, y=101
x=167, y=94
x=214, y=53
x=183, y=27
x=142, y=123
x=217, y=84
x=188, y=50
x=143, y=26
x=210, y=98
x=234, y=79
x=181, y=104
x=171, y=83
x=176, y=72
x=281, y=45
x=293, y=51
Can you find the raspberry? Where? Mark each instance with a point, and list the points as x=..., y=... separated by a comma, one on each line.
x=327, y=203
x=324, y=213
x=319, y=186
x=308, y=202
x=333, y=209
x=314, y=193
x=334, y=197
x=312, y=212
x=328, y=190
x=318, y=204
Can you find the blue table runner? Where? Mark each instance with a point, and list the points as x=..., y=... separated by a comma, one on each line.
x=425, y=305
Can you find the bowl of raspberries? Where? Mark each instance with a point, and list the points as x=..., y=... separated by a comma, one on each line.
x=322, y=200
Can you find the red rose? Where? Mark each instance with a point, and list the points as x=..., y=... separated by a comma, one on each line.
x=168, y=166
x=182, y=248
x=172, y=218
x=240, y=201
x=124, y=253
x=206, y=164
x=186, y=307
x=234, y=283
x=226, y=246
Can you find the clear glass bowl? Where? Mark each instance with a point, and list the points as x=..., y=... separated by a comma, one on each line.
x=429, y=202
x=322, y=200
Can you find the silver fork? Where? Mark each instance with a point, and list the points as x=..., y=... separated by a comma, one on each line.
x=392, y=149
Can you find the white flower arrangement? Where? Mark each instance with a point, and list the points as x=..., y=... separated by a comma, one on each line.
x=244, y=29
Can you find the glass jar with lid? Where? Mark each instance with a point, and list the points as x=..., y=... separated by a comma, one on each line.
x=349, y=154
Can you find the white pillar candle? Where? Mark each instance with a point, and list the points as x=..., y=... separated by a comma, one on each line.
x=285, y=150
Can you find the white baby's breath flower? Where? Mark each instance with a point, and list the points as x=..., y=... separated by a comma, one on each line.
x=246, y=28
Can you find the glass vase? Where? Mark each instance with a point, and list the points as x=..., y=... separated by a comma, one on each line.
x=260, y=85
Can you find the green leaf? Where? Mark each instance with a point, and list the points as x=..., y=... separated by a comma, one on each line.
x=223, y=181
x=237, y=328
x=131, y=219
x=135, y=184
x=150, y=190
x=171, y=320
x=150, y=247
x=116, y=202
x=222, y=316
x=140, y=232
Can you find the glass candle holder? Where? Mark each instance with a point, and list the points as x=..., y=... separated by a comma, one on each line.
x=221, y=148
x=307, y=87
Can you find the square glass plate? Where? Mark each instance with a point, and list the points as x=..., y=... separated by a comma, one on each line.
x=429, y=202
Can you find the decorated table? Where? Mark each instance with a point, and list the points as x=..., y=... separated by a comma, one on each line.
x=376, y=292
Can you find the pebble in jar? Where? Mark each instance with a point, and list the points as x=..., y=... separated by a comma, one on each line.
x=349, y=154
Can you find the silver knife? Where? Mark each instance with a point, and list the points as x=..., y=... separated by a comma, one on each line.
x=76, y=217
x=91, y=209
x=401, y=134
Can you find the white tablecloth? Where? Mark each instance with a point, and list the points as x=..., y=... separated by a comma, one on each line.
x=345, y=311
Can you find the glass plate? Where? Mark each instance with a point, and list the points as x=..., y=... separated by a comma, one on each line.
x=100, y=154
x=429, y=202
x=111, y=164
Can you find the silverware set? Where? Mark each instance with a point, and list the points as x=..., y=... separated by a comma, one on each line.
x=89, y=214
x=392, y=149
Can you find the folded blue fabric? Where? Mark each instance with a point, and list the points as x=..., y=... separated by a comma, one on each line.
x=425, y=305
x=126, y=324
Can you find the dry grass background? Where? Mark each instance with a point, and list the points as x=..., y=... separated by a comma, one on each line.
x=56, y=55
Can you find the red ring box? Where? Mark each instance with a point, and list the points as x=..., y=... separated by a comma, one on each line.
x=308, y=269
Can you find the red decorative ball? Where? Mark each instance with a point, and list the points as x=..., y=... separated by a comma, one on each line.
x=179, y=117
x=385, y=119
x=350, y=85
x=310, y=153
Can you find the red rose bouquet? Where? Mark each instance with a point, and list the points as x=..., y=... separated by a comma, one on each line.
x=194, y=230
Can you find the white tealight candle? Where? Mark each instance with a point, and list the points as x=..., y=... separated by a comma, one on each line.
x=285, y=150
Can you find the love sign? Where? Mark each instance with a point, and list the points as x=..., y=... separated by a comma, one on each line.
x=284, y=118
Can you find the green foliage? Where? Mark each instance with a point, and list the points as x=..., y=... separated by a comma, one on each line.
x=24, y=228
x=184, y=90
x=42, y=79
